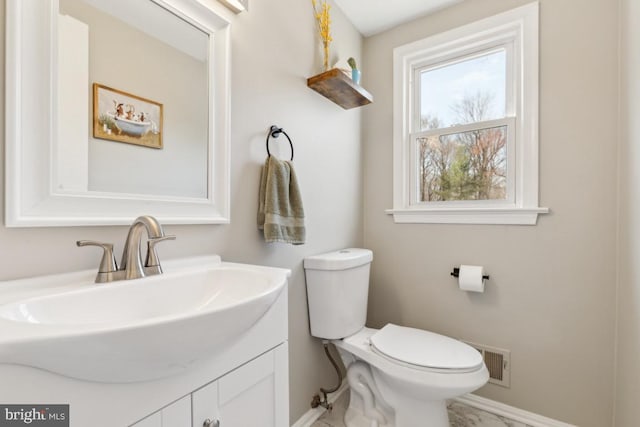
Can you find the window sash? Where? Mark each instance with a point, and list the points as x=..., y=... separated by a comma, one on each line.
x=467, y=52
x=414, y=175
x=511, y=83
x=473, y=49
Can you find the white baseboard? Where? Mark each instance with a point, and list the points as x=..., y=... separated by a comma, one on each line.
x=515, y=414
x=510, y=412
x=313, y=414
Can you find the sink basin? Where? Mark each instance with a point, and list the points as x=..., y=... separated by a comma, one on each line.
x=133, y=330
x=139, y=301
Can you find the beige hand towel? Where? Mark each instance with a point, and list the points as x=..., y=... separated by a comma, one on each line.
x=280, y=212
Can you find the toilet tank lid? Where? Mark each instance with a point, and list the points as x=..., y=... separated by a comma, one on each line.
x=339, y=260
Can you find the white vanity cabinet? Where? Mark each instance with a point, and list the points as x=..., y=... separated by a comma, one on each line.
x=254, y=394
x=241, y=381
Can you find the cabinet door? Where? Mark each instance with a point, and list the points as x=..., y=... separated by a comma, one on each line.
x=254, y=395
x=205, y=405
x=153, y=420
x=178, y=414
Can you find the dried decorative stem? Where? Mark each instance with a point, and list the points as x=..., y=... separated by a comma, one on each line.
x=323, y=19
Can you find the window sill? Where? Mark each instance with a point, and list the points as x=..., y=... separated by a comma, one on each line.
x=511, y=216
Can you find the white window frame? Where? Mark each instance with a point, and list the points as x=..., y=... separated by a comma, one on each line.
x=515, y=31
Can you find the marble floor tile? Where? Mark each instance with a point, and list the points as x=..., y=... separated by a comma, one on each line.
x=460, y=415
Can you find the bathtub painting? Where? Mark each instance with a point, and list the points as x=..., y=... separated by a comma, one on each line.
x=123, y=117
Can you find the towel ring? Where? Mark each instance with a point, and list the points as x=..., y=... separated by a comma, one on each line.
x=275, y=132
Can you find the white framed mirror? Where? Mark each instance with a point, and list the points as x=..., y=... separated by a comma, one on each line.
x=116, y=109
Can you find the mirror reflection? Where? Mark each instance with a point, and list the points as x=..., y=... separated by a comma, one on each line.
x=133, y=107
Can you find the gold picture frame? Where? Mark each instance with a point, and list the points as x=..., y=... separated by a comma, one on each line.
x=123, y=117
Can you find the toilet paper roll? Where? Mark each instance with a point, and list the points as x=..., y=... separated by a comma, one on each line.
x=470, y=278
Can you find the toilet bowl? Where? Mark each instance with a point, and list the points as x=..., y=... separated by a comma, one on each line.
x=398, y=376
x=409, y=392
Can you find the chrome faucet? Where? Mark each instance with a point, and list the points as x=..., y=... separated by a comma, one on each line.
x=131, y=265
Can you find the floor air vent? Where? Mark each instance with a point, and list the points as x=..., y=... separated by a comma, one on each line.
x=498, y=363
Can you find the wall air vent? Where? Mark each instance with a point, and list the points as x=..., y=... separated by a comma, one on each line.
x=498, y=363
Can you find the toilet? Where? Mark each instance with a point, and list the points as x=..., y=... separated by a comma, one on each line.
x=398, y=376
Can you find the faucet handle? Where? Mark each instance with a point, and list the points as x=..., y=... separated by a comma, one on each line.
x=152, y=255
x=108, y=262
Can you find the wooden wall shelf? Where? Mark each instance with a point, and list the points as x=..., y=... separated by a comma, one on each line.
x=338, y=87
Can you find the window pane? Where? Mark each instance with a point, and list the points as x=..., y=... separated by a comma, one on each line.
x=463, y=166
x=464, y=92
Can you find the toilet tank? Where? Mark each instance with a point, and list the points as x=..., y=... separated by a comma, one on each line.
x=337, y=292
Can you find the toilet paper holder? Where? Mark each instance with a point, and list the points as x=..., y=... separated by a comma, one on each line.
x=456, y=273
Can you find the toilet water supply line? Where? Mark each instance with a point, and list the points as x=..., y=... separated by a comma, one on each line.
x=357, y=372
x=360, y=379
x=324, y=401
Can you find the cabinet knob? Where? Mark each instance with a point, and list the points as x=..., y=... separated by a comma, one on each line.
x=209, y=423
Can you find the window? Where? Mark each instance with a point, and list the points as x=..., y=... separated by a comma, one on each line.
x=462, y=137
x=465, y=124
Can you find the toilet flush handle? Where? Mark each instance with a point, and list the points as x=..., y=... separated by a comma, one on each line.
x=209, y=423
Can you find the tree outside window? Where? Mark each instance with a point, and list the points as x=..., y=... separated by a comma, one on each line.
x=464, y=165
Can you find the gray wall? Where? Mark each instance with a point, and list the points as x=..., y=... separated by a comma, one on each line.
x=551, y=297
x=628, y=373
x=274, y=50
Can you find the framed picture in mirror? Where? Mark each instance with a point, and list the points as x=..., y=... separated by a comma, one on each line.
x=124, y=117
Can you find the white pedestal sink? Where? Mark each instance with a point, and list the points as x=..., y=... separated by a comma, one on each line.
x=133, y=330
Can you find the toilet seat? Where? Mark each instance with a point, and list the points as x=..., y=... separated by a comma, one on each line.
x=424, y=350
x=455, y=381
